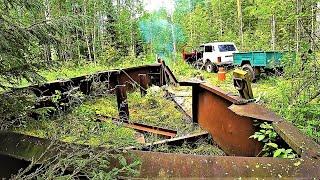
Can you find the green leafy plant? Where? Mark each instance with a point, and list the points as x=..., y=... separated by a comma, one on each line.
x=269, y=137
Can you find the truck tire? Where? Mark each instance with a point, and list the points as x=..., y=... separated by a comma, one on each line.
x=198, y=65
x=249, y=69
x=210, y=67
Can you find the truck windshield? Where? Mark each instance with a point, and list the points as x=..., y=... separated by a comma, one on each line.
x=226, y=47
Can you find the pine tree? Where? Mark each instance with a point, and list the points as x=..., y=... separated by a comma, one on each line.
x=24, y=34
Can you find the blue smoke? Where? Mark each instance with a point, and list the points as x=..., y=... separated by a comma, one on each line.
x=156, y=31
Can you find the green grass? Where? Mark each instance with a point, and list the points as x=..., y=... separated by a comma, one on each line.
x=153, y=109
x=80, y=126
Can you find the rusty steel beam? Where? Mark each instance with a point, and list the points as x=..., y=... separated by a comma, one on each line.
x=143, y=84
x=230, y=122
x=128, y=76
x=178, y=141
x=167, y=133
x=161, y=165
x=121, y=93
x=168, y=165
x=169, y=76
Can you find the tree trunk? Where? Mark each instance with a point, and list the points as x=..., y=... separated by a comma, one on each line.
x=317, y=23
x=47, y=48
x=85, y=30
x=220, y=19
x=273, y=32
x=298, y=6
x=240, y=21
x=132, y=30
x=94, y=32
x=173, y=38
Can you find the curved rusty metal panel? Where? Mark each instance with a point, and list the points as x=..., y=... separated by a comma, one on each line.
x=229, y=130
x=164, y=165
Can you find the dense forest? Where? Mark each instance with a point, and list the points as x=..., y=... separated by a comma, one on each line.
x=104, y=31
x=41, y=38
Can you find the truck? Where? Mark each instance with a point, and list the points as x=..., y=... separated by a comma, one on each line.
x=256, y=62
x=212, y=55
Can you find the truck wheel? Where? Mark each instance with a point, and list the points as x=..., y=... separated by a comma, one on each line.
x=198, y=65
x=210, y=67
x=249, y=69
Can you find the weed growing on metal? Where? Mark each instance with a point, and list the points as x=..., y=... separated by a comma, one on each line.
x=268, y=136
x=153, y=109
x=200, y=147
x=79, y=162
x=80, y=127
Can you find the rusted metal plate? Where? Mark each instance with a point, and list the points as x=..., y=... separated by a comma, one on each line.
x=299, y=142
x=229, y=130
x=255, y=111
x=169, y=75
x=156, y=74
x=219, y=92
x=128, y=76
x=178, y=141
x=163, y=165
x=143, y=84
x=190, y=83
x=168, y=133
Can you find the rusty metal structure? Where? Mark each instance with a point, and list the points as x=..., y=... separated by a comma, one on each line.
x=167, y=133
x=227, y=119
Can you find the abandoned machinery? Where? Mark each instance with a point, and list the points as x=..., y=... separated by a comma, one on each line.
x=228, y=119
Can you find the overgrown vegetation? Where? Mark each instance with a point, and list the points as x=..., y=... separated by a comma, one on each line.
x=270, y=139
x=44, y=40
x=81, y=126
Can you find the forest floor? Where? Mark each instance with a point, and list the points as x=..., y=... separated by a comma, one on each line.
x=81, y=126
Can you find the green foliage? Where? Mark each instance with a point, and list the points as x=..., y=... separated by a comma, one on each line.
x=268, y=136
x=81, y=127
x=15, y=108
x=23, y=37
x=294, y=95
x=153, y=109
x=80, y=162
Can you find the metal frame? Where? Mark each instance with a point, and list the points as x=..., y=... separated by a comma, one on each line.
x=228, y=120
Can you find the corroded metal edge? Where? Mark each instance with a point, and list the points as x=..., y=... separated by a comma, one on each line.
x=169, y=165
x=299, y=142
x=255, y=111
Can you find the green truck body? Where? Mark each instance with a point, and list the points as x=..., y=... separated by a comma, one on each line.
x=258, y=59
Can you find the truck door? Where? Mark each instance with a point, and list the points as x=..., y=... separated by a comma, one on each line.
x=208, y=53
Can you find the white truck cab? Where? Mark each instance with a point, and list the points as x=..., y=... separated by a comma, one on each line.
x=217, y=54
